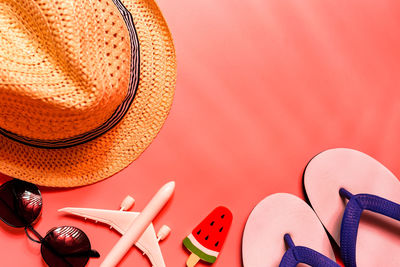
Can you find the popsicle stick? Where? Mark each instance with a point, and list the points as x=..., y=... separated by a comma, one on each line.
x=192, y=260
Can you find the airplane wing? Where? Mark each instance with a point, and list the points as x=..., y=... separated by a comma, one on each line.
x=121, y=220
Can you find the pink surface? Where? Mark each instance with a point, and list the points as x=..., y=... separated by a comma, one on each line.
x=378, y=236
x=276, y=215
x=263, y=85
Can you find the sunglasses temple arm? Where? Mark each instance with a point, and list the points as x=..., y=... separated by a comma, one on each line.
x=90, y=253
x=94, y=254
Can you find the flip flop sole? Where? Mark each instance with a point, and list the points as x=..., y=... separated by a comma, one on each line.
x=270, y=220
x=378, y=240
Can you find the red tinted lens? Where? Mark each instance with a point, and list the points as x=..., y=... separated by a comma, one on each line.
x=20, y=203
x=66, y=246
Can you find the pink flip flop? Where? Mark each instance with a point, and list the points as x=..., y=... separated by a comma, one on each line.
x=356, y=198
x=281, y=214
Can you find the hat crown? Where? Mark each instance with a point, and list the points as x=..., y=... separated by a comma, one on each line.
x=64, y=66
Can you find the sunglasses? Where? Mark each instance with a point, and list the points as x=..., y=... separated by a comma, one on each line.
x=21, y=205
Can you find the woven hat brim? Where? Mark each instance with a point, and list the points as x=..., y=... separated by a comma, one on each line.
x=106, y=155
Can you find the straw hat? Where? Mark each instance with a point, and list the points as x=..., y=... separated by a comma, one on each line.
x=85, y=86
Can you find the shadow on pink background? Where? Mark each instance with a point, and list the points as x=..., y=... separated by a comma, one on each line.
x=263, y=86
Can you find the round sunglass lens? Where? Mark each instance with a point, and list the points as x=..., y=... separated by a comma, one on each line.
x=66, y=246
x=20, y=203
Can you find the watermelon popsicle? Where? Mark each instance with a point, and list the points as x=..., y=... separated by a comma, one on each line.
x=206, y=240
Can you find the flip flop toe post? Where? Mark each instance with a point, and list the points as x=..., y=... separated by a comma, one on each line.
x=357, y=200
x=282, y=230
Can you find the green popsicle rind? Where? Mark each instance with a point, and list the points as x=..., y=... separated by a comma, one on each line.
x=192, y=248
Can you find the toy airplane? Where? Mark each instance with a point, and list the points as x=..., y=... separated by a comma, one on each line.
x=122, y=221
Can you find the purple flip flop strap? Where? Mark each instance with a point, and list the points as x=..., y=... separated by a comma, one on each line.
x=298, y=254
x=351, y=219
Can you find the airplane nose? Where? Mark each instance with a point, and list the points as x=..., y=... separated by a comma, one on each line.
x=169, y=187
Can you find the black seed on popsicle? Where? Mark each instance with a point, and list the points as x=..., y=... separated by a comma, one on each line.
x=208, y=236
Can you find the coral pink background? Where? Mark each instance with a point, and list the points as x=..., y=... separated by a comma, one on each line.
x=263, y=85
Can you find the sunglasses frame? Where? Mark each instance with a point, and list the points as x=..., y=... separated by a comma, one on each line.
x=41, y=240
